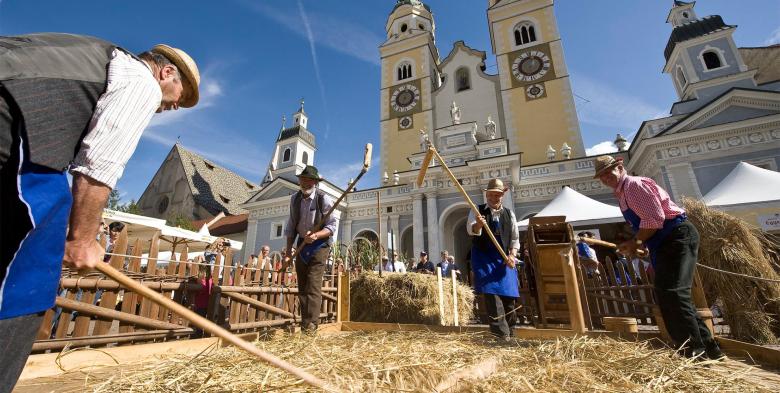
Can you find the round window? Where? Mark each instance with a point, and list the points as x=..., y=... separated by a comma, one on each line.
x=404, y=27
x=162, y=205
x=421, y=26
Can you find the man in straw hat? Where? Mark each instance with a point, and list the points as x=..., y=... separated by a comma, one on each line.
x=67, y=102
x=495, y=278
x=662, y=227
x=307, y=207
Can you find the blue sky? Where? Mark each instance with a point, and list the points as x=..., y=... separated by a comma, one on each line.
x=258, y=58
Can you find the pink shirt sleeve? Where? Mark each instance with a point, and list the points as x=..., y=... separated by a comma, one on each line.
x=643, y=198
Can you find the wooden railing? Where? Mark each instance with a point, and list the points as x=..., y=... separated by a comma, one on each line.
x=92, y=310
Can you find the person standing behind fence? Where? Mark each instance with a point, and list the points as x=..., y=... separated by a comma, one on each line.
x=307, y=207
x=495, y=278
x=67, y=101
x=662, y=227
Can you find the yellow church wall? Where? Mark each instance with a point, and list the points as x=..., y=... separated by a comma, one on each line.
x=541, y=122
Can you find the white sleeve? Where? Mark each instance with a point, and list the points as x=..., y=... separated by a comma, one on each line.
x=123, y=111
x=470, y=223
x=515, y=243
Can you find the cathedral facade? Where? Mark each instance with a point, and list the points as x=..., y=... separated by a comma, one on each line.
x=520, y=125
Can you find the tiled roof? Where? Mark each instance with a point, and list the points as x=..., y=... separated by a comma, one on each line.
x=410, y=2
x=697, y=28
x=215, y=188
x=226, y=225
x=765, y=60
x=297, y=131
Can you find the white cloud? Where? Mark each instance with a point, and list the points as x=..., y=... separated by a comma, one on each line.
x=600, y=148
x=609, y=107
x=774, y=38
x=338, y=34
x=315, y=61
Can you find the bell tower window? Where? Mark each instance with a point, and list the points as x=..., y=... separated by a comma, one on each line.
x=286, y=155
x=462, y=79
x=404, y=71
x=525, y=33
x=681, y=78
x=711, y=60
x=305, y=158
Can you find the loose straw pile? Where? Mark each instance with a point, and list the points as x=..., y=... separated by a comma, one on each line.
x=407, y=298
x=751, y=307
x=420, y=361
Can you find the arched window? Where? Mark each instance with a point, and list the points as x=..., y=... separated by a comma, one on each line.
x=286, y=155
x=681, y=78
x=404, y=71
x=711, y=60
x=525, y=33
x=462, y=79
x=306, y=158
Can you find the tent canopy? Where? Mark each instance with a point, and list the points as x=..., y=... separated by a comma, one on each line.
x=578, y=209
x=143, y=227
x=745, y=184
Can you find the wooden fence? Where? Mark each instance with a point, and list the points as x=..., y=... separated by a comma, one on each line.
x=92, y=310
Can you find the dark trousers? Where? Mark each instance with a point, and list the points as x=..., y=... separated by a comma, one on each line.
x=310, y=287
x=16, y=339
x=501, y=311
x=675, y=265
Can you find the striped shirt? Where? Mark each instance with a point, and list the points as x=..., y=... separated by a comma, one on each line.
x=132, y=96
x=649, y=201
x=308, y=214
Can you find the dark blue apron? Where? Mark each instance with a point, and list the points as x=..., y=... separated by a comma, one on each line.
x=654, y=241
x=308, y=250
x=491, y=274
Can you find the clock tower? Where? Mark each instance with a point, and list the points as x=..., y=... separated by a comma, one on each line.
x=536, y=93
x=409, y=75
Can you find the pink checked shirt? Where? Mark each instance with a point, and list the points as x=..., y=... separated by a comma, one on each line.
x=650, y=202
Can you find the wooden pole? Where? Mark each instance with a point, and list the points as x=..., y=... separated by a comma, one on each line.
x=455, y=297
x=379, y=231
x=432, y=152
x=212, y=328
x=441, y=295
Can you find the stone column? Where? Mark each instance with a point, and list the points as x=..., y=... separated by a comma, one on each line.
x=346, y=231
x=433, y=226
x=251, y=239
x=417, y=224
x=394, y=222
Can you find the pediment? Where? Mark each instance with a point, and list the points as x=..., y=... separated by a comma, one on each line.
x=733, y=106
x=279, y=187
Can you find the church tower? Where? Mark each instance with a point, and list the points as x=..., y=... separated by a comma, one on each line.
x=409, y=75
x=701, y=56
x=294, y=149
x=535, y=89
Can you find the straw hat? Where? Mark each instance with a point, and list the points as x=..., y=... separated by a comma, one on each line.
x=605, y=163
x=187, y=69
x=495, y=185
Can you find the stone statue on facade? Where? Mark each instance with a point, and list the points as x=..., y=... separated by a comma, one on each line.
x=474, y=133
x=490, y=128
x=424, y=141
x=455, y=113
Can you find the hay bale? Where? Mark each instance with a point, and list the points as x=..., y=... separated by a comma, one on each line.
x=406, y=298
x=421, y=360
x=751, y=307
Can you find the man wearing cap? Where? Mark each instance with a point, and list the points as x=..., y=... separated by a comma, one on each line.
x=307, y=207
x=494, y=277
x=662, y=227
x=67, y=102
x=424, y=266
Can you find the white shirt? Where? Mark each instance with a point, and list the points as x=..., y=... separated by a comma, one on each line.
x=400, y=267
x=123, y=111
x=515, y=241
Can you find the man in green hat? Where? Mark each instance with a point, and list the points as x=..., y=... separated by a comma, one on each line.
x=307, y=207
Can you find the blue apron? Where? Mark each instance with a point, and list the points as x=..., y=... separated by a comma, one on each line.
x=308, y=250
x=654, y=242
x=491, y=274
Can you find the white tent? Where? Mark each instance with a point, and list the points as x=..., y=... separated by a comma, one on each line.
x=745, y=184
x=143, y=227
x=578, y=209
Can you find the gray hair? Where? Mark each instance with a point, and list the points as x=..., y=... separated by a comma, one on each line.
x=160, y=61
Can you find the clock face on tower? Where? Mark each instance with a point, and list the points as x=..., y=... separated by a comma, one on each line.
x=404, y=98
x=530, y=66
